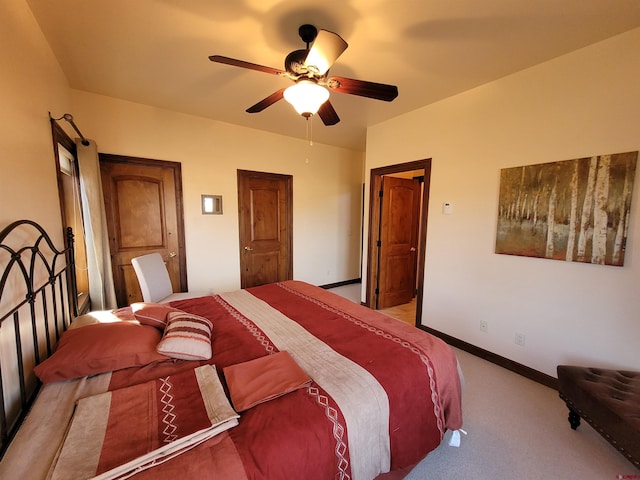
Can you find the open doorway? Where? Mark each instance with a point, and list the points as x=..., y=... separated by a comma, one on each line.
x=379, y=226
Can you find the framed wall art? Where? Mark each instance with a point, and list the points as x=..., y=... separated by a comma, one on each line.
x=574, y=210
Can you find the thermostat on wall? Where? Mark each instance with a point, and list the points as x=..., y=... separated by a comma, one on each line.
x=447, y=208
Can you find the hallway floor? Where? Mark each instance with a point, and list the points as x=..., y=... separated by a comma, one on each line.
x=405, y=312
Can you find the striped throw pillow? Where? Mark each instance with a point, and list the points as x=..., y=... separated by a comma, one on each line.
x=187, y=337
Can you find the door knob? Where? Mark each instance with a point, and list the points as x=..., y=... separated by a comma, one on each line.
x=172, y=254
x=413, y=249
x=247, y=249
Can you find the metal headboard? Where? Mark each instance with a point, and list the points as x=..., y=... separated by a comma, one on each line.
x=39, y=287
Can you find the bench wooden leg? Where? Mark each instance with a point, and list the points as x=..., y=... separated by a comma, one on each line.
x=574, y=419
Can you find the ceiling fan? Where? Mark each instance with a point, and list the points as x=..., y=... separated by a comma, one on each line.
x=309, y=68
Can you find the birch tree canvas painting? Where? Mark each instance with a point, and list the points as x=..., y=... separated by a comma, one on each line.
x=574, y=210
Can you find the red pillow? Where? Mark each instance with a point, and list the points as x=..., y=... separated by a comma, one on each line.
x=100, y=348
x=124, y=313
x=263, y=379
x=153, y=314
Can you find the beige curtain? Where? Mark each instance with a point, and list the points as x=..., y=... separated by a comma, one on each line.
x=101, y=291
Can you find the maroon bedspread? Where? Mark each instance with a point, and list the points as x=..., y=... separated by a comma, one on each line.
x=405, y=379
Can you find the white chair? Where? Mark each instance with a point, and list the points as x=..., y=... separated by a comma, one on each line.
x=154, y=280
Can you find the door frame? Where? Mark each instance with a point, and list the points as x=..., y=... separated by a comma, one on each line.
x=176, y=167
x=375, y=183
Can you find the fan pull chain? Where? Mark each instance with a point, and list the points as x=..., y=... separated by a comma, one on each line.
x=309, y=136
x=310, y=130
x=309, y=141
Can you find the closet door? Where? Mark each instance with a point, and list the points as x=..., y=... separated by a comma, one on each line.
x=265, y=227
x=143, y=200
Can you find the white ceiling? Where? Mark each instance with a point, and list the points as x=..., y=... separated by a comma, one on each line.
x=155, y=51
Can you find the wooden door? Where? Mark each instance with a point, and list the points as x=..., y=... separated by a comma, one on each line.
x=398, y=241
x=143, y=200
x=265, y=220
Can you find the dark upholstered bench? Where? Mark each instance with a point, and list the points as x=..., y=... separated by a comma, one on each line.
x=609, y=400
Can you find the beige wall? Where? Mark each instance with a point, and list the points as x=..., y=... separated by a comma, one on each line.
x=327, y=181
x=327, y=184
x=31, y=85
x=327, y=189
x=582, y=104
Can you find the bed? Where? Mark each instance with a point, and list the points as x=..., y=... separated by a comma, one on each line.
x=300, y=383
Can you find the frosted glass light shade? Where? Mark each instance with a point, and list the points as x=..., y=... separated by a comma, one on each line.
x=306, y=97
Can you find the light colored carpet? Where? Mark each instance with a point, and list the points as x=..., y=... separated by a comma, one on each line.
x=516, y=429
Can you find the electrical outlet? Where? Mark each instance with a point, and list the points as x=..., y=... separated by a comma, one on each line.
x=484, y=326
x=520, y=339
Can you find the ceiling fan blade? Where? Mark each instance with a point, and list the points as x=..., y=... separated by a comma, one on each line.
x=241, y=63
x=378, y=91
x=327, y=114
x=267, y=102
x=326, y=49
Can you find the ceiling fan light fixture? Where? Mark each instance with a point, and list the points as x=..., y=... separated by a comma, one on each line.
x=306, y=97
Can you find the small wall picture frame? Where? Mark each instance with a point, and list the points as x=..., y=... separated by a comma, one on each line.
x=211, y=204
